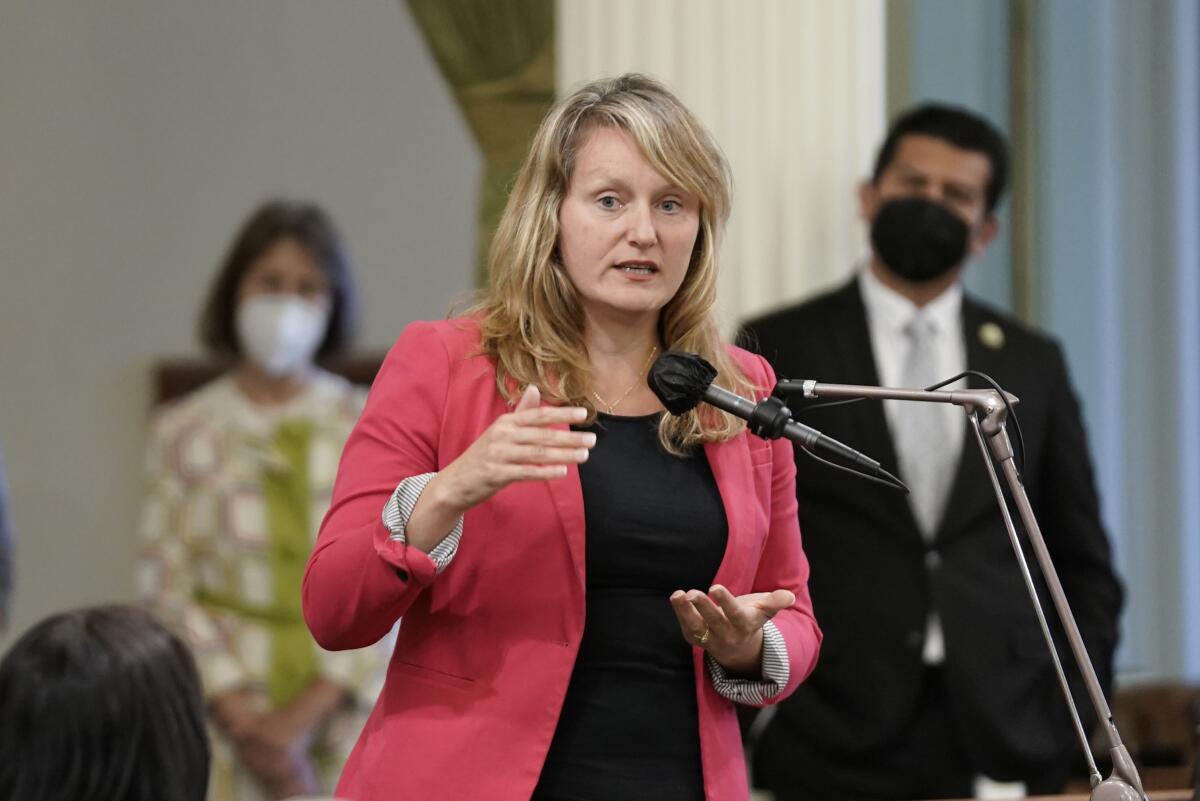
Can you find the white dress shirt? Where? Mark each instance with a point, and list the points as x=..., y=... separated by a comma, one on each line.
x=888, y=312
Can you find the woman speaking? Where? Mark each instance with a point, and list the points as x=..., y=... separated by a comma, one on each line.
x=587, y=584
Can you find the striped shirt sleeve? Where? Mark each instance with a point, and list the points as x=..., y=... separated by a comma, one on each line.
x=755, y=692
x=399, y=508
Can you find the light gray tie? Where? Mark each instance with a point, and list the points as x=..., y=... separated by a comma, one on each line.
x=923, y=441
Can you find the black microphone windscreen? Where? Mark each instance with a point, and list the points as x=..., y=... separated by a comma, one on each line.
x=679, y=380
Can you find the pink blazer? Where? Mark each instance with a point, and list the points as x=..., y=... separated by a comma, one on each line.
x=486, y=648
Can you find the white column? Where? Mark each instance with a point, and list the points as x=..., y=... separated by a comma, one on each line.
x=793, y=90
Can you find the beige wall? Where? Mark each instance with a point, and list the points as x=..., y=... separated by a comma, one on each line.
x=134, y=136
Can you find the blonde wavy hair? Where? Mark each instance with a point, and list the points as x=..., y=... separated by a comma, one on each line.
x=530, y=315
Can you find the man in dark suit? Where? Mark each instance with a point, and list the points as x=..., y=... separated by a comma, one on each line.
x=933, y=680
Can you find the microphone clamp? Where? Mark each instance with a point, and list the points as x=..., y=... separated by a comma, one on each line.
x=769, y=418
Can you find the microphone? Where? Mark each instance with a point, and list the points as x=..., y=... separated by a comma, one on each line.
x=682, y=380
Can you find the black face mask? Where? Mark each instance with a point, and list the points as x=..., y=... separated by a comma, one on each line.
x=918, y=239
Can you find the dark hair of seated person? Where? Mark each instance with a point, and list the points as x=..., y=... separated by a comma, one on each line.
x=277, y=220
x=101, y=704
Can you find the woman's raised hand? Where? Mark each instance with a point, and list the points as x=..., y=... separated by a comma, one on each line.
x=519, y=446
x=729, y=627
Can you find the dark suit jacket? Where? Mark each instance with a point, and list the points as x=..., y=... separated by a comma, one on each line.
x=874, y=580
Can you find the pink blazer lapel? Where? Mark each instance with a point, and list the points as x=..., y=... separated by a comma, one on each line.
x=567, y=495
x=730, y=464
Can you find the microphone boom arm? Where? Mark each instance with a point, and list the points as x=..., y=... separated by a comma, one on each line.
x=986, y=412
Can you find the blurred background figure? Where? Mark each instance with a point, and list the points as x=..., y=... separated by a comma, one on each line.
x=240, y=472
x=6, y=552
x=936, y=682
x=101, y=704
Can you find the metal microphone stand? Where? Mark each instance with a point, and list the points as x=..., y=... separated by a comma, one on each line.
x=986, y=415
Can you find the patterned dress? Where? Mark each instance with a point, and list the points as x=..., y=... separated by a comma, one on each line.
x=236, y=495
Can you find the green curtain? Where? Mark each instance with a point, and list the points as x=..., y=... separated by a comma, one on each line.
x=498, y=57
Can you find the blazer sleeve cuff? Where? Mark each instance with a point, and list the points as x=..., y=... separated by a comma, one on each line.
x=398, y=510
x=755, y=692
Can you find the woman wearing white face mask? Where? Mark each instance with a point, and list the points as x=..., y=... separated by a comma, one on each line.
x=240, y=473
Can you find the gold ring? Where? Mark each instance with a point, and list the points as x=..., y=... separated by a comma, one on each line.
x=704, y=638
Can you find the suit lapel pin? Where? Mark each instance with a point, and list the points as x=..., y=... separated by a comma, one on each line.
x=991, y=335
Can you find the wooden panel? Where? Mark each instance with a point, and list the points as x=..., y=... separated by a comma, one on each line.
x=174, y=378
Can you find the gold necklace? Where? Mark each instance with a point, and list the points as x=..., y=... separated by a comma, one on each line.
x=610, y=407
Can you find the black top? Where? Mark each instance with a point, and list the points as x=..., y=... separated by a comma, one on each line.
x=629, y=726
